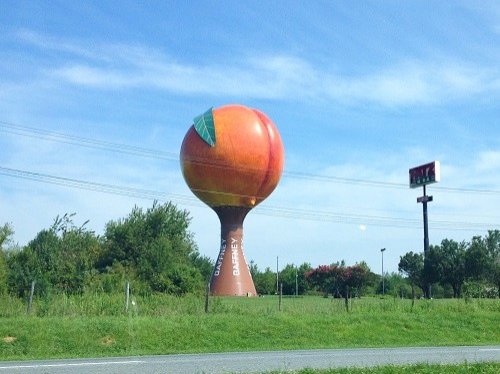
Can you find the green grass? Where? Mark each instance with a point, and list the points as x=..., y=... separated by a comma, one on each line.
x=466, y=368
x=97, y=325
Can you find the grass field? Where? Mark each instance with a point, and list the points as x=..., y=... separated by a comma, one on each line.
x=483, y=368
x=97, y=325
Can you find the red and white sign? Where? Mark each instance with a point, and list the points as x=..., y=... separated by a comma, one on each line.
x=425, y=174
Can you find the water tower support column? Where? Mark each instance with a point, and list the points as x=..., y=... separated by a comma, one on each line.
x=231, y=275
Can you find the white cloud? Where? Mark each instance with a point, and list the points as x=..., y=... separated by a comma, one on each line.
x=489, y=161
x=418, y=82
x=266, y=78
x=278, y=76
x=95, y=77
x=281, y=77
x=58, y=44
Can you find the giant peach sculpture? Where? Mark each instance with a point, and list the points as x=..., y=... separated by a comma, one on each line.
x=232, y=159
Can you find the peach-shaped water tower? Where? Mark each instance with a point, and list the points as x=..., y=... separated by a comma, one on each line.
x=232, y=159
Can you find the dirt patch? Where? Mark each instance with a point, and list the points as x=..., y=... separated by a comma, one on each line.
x=107, y=341
x=9, y=339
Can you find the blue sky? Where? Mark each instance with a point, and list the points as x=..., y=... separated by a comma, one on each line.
x=360, y=91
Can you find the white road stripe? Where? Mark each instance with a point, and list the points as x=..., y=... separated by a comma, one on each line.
x=72, y=364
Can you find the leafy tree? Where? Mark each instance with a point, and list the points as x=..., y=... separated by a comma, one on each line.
x=57, y=259
x=204, y=265
x=287, y=278
x=430, y=272
x=340, y=281
x=483, y=259
x=290, y=277
x=371, y=279
x=477, y=259
x=447, y=264
x=303, y=269
x=323, y=279
x=265, y=282
x=293, y=278
x=78, y=252
x=253, y=268
x=395, y=285
x=492, y=241
x=35, y=262
x=156, y=247
x=3, y=273
x=412, y=265
x=6, y=233
x=356, y=278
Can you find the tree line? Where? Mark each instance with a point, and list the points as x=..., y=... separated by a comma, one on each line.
x=154, y=251
x=336, y=279
x=448, y=268
x=474, y=265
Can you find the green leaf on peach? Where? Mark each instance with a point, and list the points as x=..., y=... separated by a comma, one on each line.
x=205, y=127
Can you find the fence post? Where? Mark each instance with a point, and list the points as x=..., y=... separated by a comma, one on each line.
x=280, y=296
x=412, y=296
x=127, y=295
x=30, y=301
x=346, y=298
x=206, y=297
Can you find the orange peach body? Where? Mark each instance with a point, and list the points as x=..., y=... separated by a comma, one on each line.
x=245, y=164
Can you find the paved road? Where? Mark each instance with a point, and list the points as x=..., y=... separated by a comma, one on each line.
x=256, y=362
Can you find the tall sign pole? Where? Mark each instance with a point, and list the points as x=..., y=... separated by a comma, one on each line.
x=422, y=176
x=424, y=201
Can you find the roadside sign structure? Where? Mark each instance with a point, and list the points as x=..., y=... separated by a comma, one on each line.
x=421, y=176
x=425, y=174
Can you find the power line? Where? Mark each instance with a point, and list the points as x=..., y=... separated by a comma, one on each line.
x=37, y=133
x=292, y=213
x=93, y=186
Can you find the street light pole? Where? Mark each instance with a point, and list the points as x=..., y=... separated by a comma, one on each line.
x=383, y=278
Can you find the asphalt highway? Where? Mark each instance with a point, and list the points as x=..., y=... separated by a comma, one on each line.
x=256, y=362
